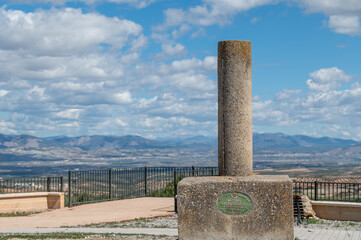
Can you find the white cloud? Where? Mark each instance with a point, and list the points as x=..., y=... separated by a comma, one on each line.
x=327, y=108
x=226, y=6
x=124, y=97
x=173, y=49
x=7, y=127
x=345, y=24
x=121, y=123
x=66, y=71
x=61, y=32
x=201, y=32
x=75, y=73
x=208, y=63
x=49, y=61
x=69, y=114
x=136, y=3
x=3, y=92
x=344, y=14
x=286, y=94
x=70, y=125
x=332, y=7
x=327, y=79
x=210, y=12
x=178, y=125
x=346, y=134
x=180, y=31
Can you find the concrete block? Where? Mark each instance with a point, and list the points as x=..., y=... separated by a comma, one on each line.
x=247, y=208
x=341, y=211
x=23, y=202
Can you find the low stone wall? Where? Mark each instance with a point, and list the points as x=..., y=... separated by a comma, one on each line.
x=343, y=211
x=25, y=202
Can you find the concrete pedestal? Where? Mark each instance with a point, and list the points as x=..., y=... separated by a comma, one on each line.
x=247, y=208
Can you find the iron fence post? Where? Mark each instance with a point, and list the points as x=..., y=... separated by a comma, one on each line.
x=61, y=184
x=298, y=213
x=316, y=190
x=193, y=170
x=110, y=183
x=48, y=184
x=69, y=188
x=145, y=180
x=175, y=191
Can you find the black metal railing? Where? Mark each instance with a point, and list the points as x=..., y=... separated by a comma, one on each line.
x=83, y=187
x=112, y=184
x=329, y=191
x=36, y=184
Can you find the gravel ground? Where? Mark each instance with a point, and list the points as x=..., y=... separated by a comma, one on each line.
x=159, y=222
x=331, y=224
x=172, y=222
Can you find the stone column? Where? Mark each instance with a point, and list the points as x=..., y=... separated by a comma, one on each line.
x=235, y=156
x=237, y=204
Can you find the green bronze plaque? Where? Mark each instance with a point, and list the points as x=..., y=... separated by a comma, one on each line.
x=234, y=203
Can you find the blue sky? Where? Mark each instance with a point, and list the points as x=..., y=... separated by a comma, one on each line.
x=148, y=67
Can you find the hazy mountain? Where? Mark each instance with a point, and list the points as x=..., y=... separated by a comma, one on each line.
x=352, y=151
x=28, y=155
x=261, y=141
x=21, y=141
x=283, y=142
x=85, y=142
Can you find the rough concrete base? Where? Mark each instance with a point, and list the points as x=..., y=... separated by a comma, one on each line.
x=270, y=218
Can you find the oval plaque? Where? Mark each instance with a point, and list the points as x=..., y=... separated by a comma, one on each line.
x=234, y=203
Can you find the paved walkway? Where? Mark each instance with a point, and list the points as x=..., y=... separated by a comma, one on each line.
x=149, y=231
x=300, y=232
x=326, y=234
x=122, y=210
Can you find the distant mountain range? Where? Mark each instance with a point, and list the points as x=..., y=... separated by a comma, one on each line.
x=98, y=142
x=261, y=142
x=28, y=155
x=285, y=143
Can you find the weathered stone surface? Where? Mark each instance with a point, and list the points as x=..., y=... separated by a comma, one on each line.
x=270, y=216
x=234, y=108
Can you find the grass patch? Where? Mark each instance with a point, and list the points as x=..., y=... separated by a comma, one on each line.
x=18, y=214
x=352, y=223
x=47, y=235
x=314, y=221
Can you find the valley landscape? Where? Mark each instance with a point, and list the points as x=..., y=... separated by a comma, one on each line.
x=274, y=153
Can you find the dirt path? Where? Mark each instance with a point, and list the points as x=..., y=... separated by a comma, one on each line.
x=121, y=210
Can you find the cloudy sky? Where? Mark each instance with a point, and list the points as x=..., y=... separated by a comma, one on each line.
x=148, y=67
